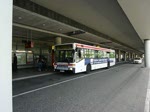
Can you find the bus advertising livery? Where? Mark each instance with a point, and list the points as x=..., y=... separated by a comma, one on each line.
x=78, y=58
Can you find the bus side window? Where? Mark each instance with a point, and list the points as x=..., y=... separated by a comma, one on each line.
x=78, y=55
x=81, y=53
x=108, y=54
x=101, y=54
x=96, y=54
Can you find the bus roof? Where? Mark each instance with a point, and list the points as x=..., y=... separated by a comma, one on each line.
x=93, y=47
x=79, y=45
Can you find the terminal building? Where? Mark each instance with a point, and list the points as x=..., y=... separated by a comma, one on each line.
x=31, y=28
x=36, y=28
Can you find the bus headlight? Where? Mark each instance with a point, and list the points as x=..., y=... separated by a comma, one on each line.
x=70, y=68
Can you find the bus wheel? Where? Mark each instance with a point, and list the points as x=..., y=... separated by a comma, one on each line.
x=88, y=68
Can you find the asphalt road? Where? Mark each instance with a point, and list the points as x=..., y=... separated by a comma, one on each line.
x=119, y=89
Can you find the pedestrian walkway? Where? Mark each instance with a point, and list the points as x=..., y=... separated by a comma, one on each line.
x=30, y=73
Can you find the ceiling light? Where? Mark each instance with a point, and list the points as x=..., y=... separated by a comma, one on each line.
x=29, y=51
x=20, y=51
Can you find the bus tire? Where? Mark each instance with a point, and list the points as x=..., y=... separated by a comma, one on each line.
x=88, y=68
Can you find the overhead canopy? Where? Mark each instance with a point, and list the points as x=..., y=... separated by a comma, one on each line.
x=103, y=21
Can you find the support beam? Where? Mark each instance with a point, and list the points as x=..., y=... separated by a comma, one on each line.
x=116, y=55
x=53, y=33
x=57, y=40
x=147, y=53
x=131, y=55
x=6, y=56
x=125, y=56
x=119, y=55
x=130, y=58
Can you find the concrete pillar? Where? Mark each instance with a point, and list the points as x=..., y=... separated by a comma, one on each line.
x=125, y=56
x=116, y=55
x=147, y=53
x=6, y=55
x=133, y=55
x=57, y=40
x=119, y=55
x=129, y=56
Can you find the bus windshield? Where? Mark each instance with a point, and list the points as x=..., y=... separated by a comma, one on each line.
x=64, y=56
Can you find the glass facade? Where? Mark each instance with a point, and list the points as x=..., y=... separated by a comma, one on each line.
x=21, y=58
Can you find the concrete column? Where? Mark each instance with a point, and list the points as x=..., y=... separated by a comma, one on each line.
x=129, y=56
x=147, y=53
x=116, y=55
x=119, y=55
x=133, y=55
x=125, y=56
x=57, y=40
x=6, y=55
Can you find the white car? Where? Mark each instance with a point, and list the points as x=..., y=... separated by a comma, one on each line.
x=137, y=60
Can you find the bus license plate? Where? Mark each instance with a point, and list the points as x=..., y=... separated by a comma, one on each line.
x=62, y=71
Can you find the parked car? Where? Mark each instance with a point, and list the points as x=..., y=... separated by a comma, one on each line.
x=137, y=60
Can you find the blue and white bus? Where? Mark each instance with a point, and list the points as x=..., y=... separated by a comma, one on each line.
x=78, y=57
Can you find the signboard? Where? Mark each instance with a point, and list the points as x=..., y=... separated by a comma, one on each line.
x=29, y=58
x=29, y=44
x=21, y=58
x=64, y=47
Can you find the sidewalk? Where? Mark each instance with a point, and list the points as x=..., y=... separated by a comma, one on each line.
x=28, y=72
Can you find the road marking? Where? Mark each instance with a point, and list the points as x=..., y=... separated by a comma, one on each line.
x=33, y=76
x=147, y=101
x=24, y=93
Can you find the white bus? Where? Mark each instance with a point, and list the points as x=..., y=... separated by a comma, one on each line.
x=78, y=57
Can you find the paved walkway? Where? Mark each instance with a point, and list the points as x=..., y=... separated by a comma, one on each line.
x=26, y=72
